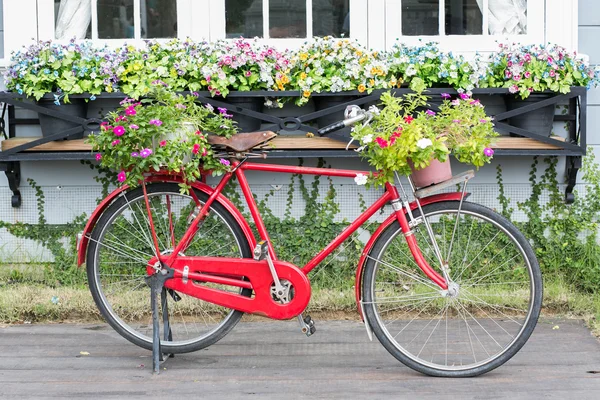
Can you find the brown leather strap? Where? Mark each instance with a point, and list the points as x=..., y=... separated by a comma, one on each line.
x=242, y=141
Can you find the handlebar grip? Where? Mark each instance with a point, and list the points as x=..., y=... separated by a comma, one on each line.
x=331, y=128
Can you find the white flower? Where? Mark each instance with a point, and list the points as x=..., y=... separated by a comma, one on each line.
x=424, y=143
x=367, y=139
x=374, y=110
x=360, y=179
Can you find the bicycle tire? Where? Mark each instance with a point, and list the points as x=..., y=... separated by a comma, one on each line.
x=492, y=294
x=118, y=253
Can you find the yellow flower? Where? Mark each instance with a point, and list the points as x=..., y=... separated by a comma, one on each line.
x=306, y=93
x=358, y=53
x=372, y=82
x=361, y=88
x=375, y=54
x=109, y=89
x=303, y=75
x=280, y=85
x=374, y=71
x=310, y=134
x=362, y=60
x=392, y=83
x=303, y=56
x=137, y=66
x=285, y=79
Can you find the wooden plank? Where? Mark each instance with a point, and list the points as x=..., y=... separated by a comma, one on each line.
x=280, y=143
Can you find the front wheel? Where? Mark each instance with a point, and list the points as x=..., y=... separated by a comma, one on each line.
x=489, y=309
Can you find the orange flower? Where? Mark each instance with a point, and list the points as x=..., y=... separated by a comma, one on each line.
x=361, y=88
x=306, y=93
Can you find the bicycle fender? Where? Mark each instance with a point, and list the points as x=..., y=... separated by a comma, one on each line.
x=436, y=198
x=83, y=239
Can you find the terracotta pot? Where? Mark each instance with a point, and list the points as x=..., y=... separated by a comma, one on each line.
x=435, y=172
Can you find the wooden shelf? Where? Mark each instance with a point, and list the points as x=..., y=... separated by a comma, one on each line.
x=278, y=143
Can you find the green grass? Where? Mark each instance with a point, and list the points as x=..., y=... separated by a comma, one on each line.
x=34, y=302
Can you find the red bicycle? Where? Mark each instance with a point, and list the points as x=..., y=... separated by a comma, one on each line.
x=449, y=287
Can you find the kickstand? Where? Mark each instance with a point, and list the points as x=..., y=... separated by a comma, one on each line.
x=157, y=282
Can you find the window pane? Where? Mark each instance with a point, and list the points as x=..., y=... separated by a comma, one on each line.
x=72, y=20
x=507, y=17
x=463, y=17
x=287, y=18
x=331, y=18
x=420, y=17
x=158, y=18
x=115, y=19
x=243, y=18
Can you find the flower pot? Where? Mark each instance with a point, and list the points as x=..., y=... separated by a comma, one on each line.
x=245, y=123
x=537, y=121
x=324, y=102
x=435, y=172
x=187, y=128
x=51, y=125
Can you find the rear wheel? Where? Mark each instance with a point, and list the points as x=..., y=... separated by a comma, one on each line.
x=121, y=246
x=489, y=310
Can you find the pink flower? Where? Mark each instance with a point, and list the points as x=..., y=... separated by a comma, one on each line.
x=552, y=73
x=98, y=157
x=118, y=130
x=248, y=74
x=488, y=152
x=180, y=106
x=483, y=121
x=121, y=118
x=455, y=102
x=134, y=126
x=156, y=122
x=464, y=96
x=381, y=142
x=224, y=162
x=445, y=96
x=130, y=110
x=135, y=154
x=408, y=119
x=527, y=57
x=204, y=152
x=513, y=89
x=429, y=112
x=456, y=121
x=517, y=77
x=162, y=143
x=527, y=74
x=196, y=148
x=115, y=142
x=122, y=176
x=145, y=153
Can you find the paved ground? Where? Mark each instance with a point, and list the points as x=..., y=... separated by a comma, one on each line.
x=274, y=360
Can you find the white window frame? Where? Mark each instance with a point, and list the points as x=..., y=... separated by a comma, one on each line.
x=46, y=26
x=392, y=16
x=215, y=20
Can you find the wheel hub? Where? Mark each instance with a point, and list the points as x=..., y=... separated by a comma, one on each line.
x=452, y=291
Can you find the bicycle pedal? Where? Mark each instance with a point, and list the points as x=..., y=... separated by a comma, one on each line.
x=307, y=325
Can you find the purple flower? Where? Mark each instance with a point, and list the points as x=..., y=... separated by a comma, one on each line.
x=483, y=120
x=224, y=161
x=134, y=126
x=196, y=94
x=98, y=157
x=121, y=177
x=445, y=96
x=222, y=110
x=180, y=106
x=159, y=82
x=135, y=154
x=145, y=153
x=464, y=96
x=209, y=107
x=119, y=130
x=456, y=121
x=156, y=122
x=429, y=112
x=488, y=152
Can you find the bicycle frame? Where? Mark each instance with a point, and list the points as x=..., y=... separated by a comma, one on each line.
x=243, y=274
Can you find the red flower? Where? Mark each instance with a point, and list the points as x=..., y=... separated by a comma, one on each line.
x=162, y=143
x=196, y=148
x=408, y=119
x=381, y=142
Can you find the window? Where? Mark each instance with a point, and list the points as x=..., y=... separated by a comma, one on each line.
x=287, y=19
x=463, y=25
x=115, y=19
x=464, y=17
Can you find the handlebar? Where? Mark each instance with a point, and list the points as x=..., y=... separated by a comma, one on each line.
x=349, y=121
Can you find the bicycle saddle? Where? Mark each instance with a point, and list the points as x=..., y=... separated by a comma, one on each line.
x=243, y=141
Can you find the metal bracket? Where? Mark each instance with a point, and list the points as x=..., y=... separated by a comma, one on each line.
x=157, y=286
x=13, y=174
x=573, y=165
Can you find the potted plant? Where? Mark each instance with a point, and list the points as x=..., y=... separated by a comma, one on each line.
x=335, y=65
x=402, y=139
x=528, y=70
x=50, y=72
x=154, y=134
